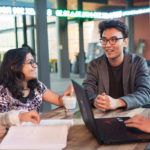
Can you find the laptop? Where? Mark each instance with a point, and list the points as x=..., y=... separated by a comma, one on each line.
x=107, y=130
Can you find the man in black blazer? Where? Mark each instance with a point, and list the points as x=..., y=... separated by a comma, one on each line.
x=117, y=79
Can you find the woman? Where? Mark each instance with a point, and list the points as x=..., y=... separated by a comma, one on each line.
x=15, y=118
x=19, y=86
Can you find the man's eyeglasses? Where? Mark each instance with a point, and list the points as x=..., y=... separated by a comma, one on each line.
x=32, y=63
x=112, y=40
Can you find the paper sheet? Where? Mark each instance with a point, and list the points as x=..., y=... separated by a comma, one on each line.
x=68, y=122
x=49, y=135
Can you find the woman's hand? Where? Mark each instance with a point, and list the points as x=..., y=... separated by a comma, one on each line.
x=31, y=116
x=139, y=122
x=69, y=91
x=2, y=131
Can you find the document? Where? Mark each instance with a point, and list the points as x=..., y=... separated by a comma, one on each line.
x=49, y=135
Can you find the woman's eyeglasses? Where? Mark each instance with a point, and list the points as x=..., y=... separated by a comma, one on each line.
x=32, y=63
x=112, y=40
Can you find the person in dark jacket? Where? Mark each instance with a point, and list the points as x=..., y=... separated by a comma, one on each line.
x=117, y=79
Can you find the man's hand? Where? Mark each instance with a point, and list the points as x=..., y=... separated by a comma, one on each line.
x=105, y=102
x=31, y=116
x=101, y=102
x=139, y=122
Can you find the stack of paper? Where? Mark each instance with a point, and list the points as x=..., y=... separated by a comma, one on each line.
x=49, y=135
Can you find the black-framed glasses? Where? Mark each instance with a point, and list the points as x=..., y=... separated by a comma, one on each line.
x=32, y=63
x=112, y=40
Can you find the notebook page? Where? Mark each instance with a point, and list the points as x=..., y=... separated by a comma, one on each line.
x=45, y=137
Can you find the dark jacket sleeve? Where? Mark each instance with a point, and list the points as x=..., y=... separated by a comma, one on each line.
x=141, y=85
x=91, y=81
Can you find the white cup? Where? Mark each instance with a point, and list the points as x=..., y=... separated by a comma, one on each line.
x=69, y=102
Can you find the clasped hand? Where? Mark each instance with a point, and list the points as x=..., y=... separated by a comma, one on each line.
x=105, y=102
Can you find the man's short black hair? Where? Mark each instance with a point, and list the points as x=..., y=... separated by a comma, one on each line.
x=113, y=24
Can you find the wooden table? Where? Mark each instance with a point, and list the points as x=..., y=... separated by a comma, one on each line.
x=79, y=137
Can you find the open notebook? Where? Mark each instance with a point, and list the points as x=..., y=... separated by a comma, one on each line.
x=49, y=135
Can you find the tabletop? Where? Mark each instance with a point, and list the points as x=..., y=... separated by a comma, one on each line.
x=79, y=136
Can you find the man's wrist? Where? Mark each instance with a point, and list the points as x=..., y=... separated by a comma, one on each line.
x=121, y=103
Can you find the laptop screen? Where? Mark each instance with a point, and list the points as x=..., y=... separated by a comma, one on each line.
x=85, y=108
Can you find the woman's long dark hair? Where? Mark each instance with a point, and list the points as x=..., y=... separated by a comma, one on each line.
x=11, y=75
